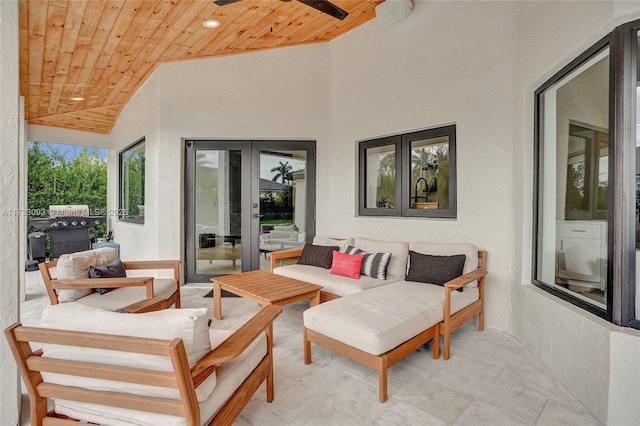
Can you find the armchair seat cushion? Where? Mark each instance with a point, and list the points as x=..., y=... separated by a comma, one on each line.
x=114, y=300
x=384, y=317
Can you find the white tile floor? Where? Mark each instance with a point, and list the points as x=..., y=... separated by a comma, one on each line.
x=489, y=380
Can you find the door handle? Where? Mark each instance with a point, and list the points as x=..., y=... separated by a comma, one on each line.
x=257, y=215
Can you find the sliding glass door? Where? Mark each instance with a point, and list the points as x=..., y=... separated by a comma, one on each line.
x=244, y=200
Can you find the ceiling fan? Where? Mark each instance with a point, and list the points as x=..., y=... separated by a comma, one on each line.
x=324, y=6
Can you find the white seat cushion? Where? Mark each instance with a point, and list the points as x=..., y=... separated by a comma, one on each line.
x=334, y=284
x=123, y=296
x=384, y=317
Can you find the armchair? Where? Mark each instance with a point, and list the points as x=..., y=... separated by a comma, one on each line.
x=133, y=293
x=146, y=377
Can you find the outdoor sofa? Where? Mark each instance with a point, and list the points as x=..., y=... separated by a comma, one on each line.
x=376, y=321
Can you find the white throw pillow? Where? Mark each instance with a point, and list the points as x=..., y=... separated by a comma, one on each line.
x=72, y=266
x=191, y=325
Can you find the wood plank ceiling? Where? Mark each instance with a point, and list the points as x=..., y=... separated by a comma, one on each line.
x=103, y=50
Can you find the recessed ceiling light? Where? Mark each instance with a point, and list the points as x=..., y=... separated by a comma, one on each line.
x=77, y=98
x=211, y=23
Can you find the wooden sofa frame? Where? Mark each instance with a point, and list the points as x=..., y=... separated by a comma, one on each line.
x=382, y=362
x=182, y=378
x=151, y=303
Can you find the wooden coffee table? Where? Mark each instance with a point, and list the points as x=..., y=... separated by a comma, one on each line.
x=264, y=288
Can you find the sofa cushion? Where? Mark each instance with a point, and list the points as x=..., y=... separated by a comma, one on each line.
x=113, y=269
x=313, y=255
x=72, y=266
x=334, y=284
x=123, y=296
x=289, y=227
x=437, y=270
x=283, y=235
x=191, y=325
x=373, y=264
x=384, y=317
x=326, y=241
x=399, y=253
x=447, y=249
x=229, y=376
x=347, y=265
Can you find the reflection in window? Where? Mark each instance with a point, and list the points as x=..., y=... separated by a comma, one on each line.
x=381, y=176
x=412, y=174
x=573, y=184
x=587, y=173
x=430, y=173
x=132, y=170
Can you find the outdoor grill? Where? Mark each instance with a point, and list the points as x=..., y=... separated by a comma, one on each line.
x=68, y=227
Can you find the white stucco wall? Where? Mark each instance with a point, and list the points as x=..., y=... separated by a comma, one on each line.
x=276, y=94
x=10, y=174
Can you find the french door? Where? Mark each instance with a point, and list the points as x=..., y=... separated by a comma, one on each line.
x=243, y=200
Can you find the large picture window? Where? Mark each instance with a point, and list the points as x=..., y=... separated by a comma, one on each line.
x=586, y=218
x=413, y=174
x=132, y=178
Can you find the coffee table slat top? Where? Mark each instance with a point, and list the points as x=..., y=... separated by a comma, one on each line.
x=266, y=286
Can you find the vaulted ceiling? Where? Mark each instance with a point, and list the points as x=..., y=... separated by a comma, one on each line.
x=103, y=50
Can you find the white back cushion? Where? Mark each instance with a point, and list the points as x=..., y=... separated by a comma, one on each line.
x=72, y=266
x=399, y=253
x=326, y=241
x=450, y=249
x=191, y=325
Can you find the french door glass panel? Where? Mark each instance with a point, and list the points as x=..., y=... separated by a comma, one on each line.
x=573, y=180
x=218, y=211
x=244, y=200
x=283, y=202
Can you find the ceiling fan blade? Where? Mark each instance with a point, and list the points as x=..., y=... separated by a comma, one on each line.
x=326, y=7
x=225, y=2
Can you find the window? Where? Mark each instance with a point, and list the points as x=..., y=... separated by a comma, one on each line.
x=131, y=207
x=585, y=216
x=412, y=174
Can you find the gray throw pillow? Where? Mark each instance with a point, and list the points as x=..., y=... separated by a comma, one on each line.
x=426, y=268
x=374, y=265
x=113, y=269
x=321, y=256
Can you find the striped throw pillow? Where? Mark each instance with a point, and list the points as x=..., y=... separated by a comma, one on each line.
x=374, y=265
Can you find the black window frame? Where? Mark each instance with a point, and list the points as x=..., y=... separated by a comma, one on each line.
x=123, y=211
x=403, y=192
x=621, y=265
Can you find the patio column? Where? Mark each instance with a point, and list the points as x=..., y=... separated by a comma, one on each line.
x=10, y=175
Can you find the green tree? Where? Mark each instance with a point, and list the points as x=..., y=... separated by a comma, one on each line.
x=52, y=179
x=282, y=171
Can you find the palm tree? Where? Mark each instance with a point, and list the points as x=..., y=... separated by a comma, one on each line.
x=282, y=171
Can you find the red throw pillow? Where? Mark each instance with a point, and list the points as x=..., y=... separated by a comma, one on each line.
x=347, y=265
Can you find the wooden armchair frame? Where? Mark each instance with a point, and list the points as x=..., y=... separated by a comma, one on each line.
x=149, y=304
x=183, y=378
